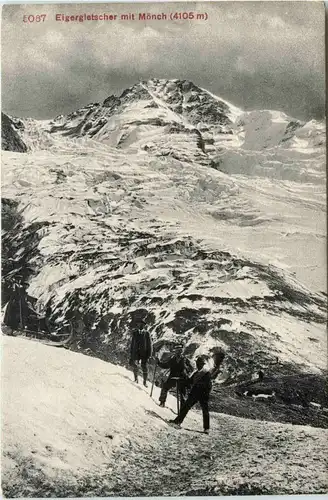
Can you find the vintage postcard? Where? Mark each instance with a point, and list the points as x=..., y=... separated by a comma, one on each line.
x=163, y=249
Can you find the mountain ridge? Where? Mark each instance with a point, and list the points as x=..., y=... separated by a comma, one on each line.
x=193, y=108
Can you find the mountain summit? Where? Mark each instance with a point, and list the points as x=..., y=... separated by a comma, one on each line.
x=167, y=111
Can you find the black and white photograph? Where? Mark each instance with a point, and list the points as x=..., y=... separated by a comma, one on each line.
x=163, y=251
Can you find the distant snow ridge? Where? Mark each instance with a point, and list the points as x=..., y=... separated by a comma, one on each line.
x=176, y=118
x=179, y=119
x=170, y=203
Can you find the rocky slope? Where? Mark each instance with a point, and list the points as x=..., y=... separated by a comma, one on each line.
x=10, y=138
x=171, y=205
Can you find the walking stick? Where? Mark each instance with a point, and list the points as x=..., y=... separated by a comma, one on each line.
x=152, y=385
x=177, y=393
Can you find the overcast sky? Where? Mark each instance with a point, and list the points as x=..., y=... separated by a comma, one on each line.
x=256, y=55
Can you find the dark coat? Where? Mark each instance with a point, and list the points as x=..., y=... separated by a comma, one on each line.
x=201, y=381
x=179, y=366
x=141, y=345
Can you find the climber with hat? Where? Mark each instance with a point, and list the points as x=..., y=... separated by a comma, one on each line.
x=180, y=368
x=140, y=350
x=201, y=386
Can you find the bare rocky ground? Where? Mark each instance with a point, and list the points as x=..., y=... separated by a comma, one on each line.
x=299, y=400
x=78, y=426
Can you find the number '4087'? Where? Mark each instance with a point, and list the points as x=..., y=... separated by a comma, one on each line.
x=31, y=18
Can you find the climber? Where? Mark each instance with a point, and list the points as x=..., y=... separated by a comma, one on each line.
x=201, y=385
x=141, y=350
x=179, y=367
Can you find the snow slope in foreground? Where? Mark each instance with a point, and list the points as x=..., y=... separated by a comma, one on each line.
x=75, y=426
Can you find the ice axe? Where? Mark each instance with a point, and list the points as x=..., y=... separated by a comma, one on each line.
x=152, y=385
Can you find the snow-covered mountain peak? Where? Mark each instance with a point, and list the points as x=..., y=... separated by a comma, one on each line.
x=194, y=103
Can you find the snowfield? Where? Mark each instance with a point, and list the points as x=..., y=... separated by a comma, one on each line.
x=77, y=426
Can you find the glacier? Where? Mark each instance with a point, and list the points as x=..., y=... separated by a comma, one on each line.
x=168, y=203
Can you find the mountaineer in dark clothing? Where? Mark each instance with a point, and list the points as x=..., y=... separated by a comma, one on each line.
x=141, y=350
x=201, y=385
x=179, y=367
